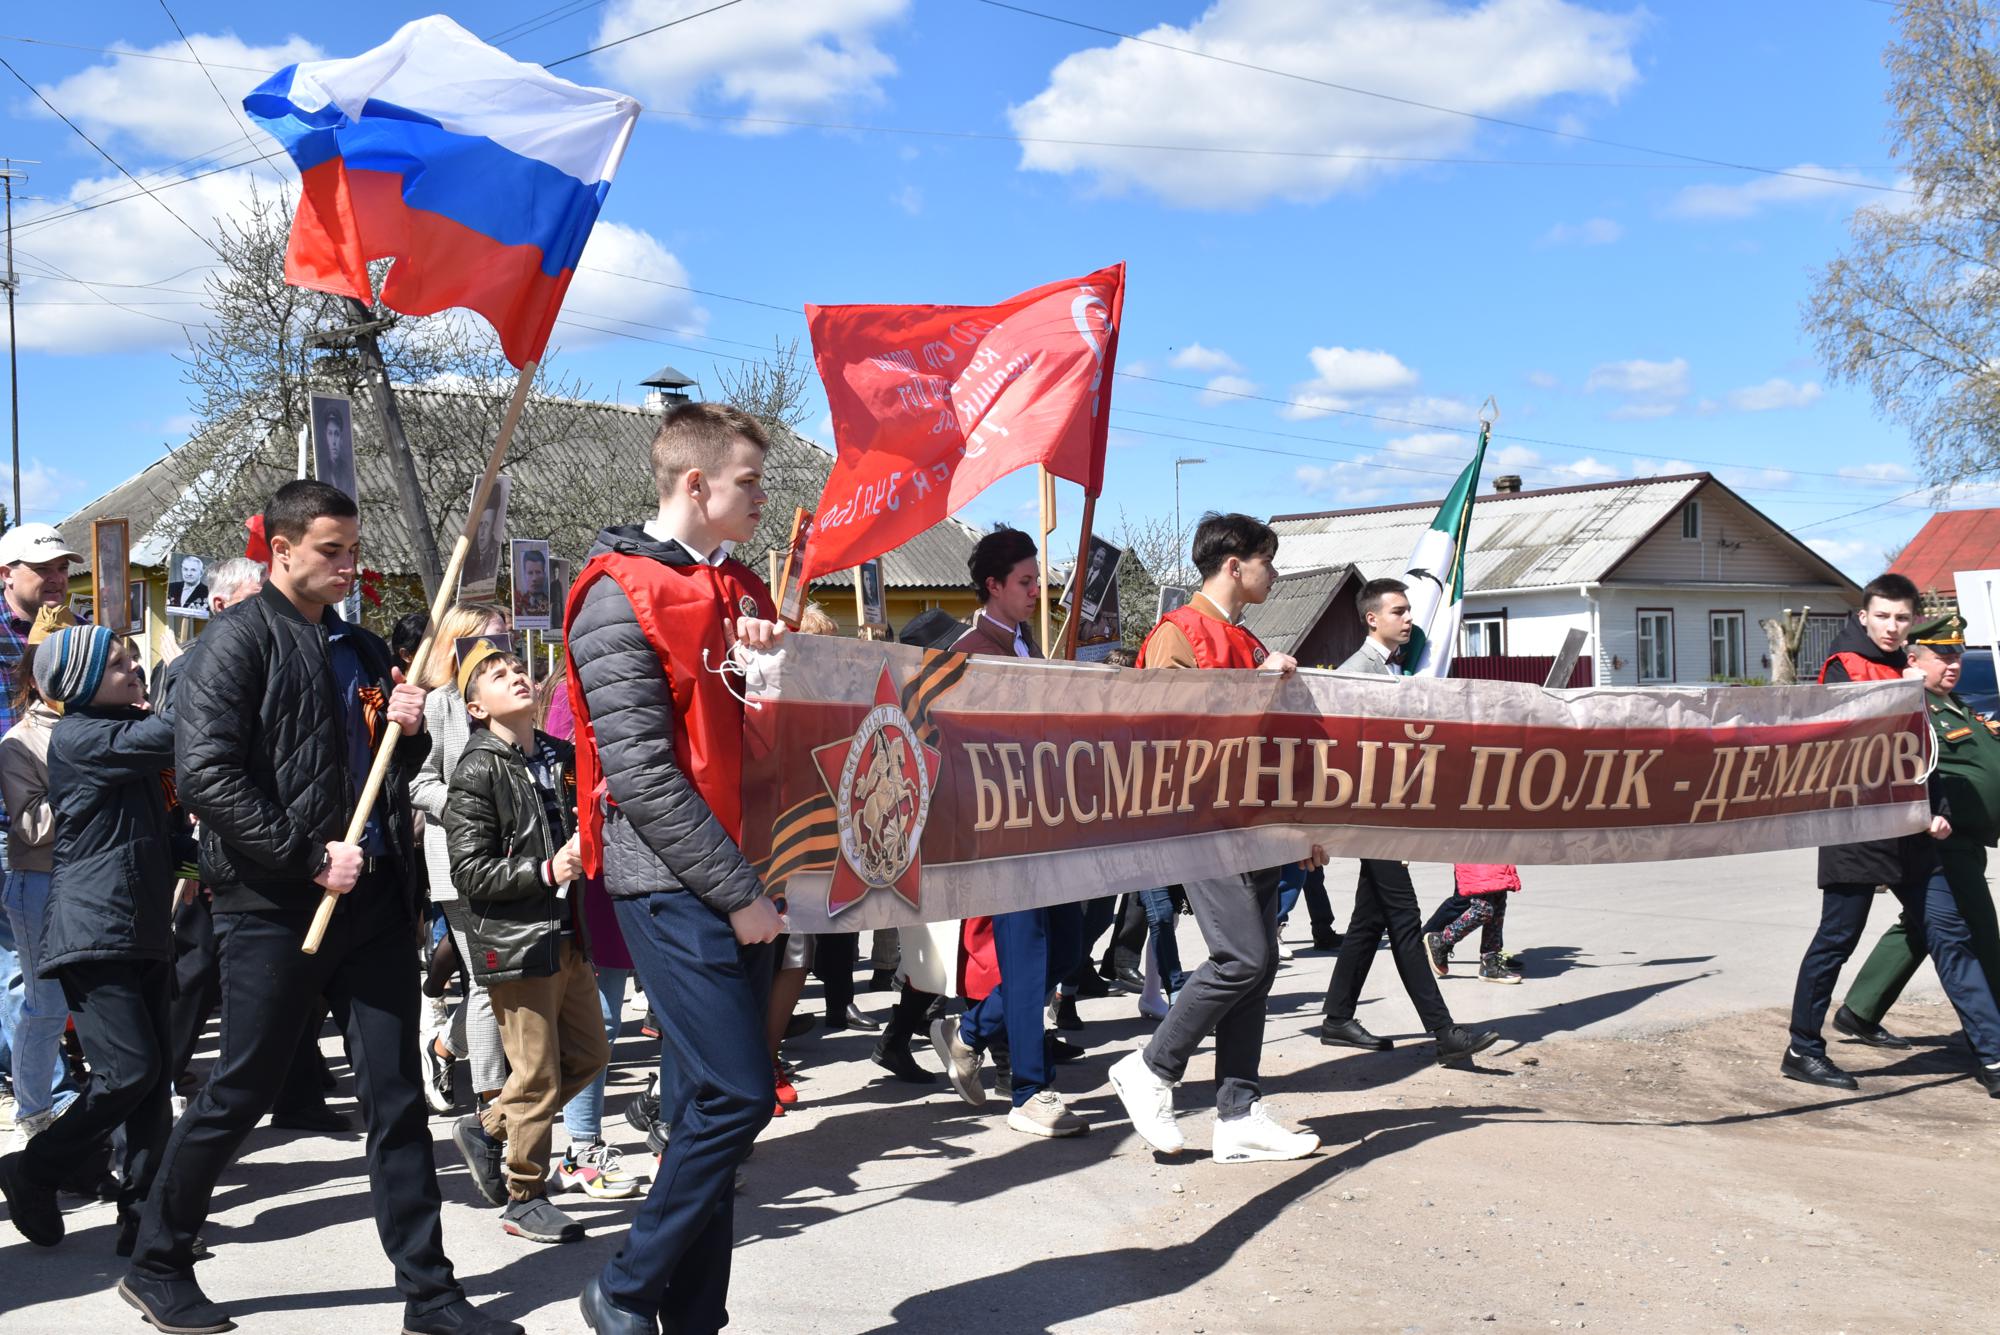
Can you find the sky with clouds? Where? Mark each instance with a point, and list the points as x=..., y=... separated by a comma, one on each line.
x=1328, y=271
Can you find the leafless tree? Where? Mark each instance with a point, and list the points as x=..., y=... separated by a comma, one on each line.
x=1909, y=311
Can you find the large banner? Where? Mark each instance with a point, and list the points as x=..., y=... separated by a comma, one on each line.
x=886, y=785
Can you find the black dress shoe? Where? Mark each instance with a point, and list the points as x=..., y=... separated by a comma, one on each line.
x=1350, y=1034
x=456, y=1318
x=1092, y=984
x=1128, y=978
x=1063, y=1014
x=1808, y=1069
x=797, y=1025
x=1455, y=1042
x=881, y=980
x=1065, y=1051
x=176, y=1307
x=34, y=1209
x=1862, y=1031
x=320, y=1121
x=1988, y=1076
x=855, y=1018
x=608, y=1318
x=1326, y=940
x=897, y=1061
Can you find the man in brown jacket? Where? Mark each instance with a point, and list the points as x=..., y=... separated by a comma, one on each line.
x=1035, y=947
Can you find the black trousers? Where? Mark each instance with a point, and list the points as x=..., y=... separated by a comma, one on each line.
x=1126, y=949
x=1319, y=909
x=906, y=1017
x=120, y=1009
x=198, y=991
x=1385, y=902
x=270, y=993
x=834, y=957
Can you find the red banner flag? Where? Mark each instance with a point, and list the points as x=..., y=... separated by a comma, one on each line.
x=933, y=404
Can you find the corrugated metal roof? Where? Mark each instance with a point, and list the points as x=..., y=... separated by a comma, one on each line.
x=1948, y=543
x=1296, y=603
x=1529, y=539
x=558, y=442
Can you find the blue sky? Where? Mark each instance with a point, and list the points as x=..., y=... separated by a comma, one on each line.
x=1630, y=312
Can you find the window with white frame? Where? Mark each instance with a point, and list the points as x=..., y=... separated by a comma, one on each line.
x=1656, y=645
x=1482, y=637
x=1725, y=646
x=1691, y=521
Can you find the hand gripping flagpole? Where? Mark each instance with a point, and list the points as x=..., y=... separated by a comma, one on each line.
x=440, y=604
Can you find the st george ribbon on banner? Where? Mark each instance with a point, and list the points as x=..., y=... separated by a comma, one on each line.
x=887, y=786
x=479, y=174
x=933, y=404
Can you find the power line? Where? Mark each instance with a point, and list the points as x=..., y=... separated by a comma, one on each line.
x=135, y=55
x=514, y=32
x=36, y=224
x=698, y=291
x=633, y=37
x=106, y=156
x=1441, y=110
x=227, y=105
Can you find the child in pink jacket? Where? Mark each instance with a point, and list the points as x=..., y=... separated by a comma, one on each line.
x=1481, y=902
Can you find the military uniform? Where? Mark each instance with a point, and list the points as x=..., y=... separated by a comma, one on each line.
x=1968, y=769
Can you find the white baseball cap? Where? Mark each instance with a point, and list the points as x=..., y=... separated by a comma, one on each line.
x=34, y=544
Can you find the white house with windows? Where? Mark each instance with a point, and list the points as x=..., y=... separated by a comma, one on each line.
x=1668, y=577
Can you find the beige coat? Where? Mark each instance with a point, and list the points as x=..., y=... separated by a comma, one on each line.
x=24, y=787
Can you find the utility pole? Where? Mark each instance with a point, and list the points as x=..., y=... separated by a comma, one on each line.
x=363, y=334
x=1179, y=569
x=12, y=282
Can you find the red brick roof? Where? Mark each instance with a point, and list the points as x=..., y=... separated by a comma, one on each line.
x=1949, y=542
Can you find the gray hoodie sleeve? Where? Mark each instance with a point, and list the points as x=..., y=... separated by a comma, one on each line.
x=632, y=713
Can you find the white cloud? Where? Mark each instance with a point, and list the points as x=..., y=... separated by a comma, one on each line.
x=1432, y=444
x=1195, y=357
x=1591, y=232
x=1227, y=389
x=46, y=493
x=604, y=290
x=167, y=106
x=1842, y=551
x=910, y=199
x=1641, y=412
x=1878, y=473
x=1639, y=378
x=1542, y=379
x=1346, y=376
x=134, y=243
x=1537, y=472
x=1503, y=57
x=1775, y=394
x=762, y=60
x=1752, y=197
x=1351, y=482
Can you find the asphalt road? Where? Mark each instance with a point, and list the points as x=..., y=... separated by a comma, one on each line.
x=876, y=1207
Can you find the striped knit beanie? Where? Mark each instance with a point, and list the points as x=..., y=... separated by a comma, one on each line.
x=69, y=665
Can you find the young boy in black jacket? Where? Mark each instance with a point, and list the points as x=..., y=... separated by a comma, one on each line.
x=510, y=823
x=108, y=933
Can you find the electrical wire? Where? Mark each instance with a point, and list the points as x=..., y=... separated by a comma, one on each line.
x=633, y=37
x=1442, y=110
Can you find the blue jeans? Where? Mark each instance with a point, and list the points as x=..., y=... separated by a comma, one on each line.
x=37, y=1031
x=584, y=1117
x=1035, y=947
x=1291, y=884
x=711, y=995
x=1160, y=925
x=13, y=995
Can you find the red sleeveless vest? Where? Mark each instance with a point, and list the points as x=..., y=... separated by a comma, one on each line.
x=683, y=611
x=1217, y=644
x=1861, y=669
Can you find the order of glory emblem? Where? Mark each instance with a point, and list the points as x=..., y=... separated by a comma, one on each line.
x=881, y=780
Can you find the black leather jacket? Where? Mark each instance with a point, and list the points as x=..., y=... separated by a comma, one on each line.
x=260, y=755
x=498, y=832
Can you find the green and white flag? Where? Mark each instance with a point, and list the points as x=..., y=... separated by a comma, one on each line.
x=1436, y=575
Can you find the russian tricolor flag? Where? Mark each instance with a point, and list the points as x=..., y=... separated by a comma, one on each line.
x=479, y=174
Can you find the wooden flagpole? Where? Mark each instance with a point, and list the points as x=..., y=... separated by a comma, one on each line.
x=440, y=604
x=1047, y=485
x=1074, y=623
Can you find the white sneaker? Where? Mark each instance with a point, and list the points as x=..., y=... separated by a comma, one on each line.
x=1284, y=949
x=1149, y=1102
x=1155, y=1005
x=1254, y=1136
x=1045, y=1114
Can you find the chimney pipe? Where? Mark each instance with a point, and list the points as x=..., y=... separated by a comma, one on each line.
x=1507, y=483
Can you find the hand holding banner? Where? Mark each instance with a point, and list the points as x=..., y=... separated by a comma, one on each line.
x=933, y=404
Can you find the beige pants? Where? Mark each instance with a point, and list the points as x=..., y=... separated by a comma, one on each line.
x=553, y=1032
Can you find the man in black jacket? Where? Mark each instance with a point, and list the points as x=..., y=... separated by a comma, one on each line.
x=274, y=726
x=1870, y=648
